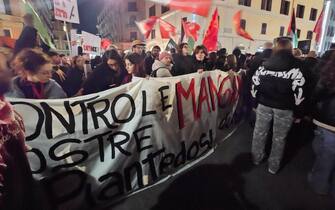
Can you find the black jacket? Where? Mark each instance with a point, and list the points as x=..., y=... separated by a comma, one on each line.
x=73, y=82
x=103, y=78
x=324, y=100
x=182, y=65
x=280, y=82
x=199, y=65
x=148, y=61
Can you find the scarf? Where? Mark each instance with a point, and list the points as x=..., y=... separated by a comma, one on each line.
x=6, y=112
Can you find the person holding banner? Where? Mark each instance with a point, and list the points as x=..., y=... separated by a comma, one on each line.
x=199, y=59
x=75, y=77
x=162, y=67
x=182, y=61
x=35, y=81
x=107, y=75
x=135, y=68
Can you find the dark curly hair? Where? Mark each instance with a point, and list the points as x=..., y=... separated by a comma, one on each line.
x=113, y=54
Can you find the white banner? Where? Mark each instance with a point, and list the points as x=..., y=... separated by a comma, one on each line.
x=94, y=150
x=66, y=10
x=91, y=43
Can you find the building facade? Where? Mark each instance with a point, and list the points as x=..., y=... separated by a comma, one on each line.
x=117, y=21
x=328, y=27
x=264, y=20
x=11, y=21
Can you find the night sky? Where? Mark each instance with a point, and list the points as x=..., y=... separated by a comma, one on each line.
x=88, y=12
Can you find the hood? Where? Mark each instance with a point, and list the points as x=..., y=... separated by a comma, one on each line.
x=280, y=61
x=158, y=65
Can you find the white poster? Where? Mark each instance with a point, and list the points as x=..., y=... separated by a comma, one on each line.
x=66, y=10
x=91, y=43
x=93, y=150
x=75, y=42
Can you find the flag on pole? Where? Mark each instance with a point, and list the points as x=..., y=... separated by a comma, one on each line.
x=105, y=43
x=183, y=37
x=191, y=44
x=292, y=30
x=211, y=37
x=199, y=7
x=146, y=26
x=318, y=27
x=38, y=24
x=191, y=29
x=167, y=29
x=171, y=44
x=239, y=30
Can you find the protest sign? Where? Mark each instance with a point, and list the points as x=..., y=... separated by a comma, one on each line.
x=93, y=150
x=66, y=10
x=91, y=43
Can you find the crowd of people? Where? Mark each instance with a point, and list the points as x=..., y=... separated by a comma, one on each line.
x=281, y=84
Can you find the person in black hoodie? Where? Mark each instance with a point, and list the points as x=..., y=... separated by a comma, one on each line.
x=75, y=77
x=107, y=75
x=279, y=88
x=321, y=177
x=182, y=61
x=199, y=59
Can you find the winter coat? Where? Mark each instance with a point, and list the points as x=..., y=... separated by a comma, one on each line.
x=182, y=65
x=23, y=89
x=148, y=62
x=280, y=82
x=74, y=81
x=15, y=175
x=159, y=69
x=199, y=65
x=324, y=109
x=103, y=78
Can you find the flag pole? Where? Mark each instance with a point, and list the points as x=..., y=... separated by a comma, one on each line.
x=67, y=37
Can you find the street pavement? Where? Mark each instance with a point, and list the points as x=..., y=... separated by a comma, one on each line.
x=228, y=180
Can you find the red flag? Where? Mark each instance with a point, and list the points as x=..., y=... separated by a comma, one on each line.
x=147, y=25
x=167, y=30
x=239, y=30
x=199, y=7
x=318, y=27
x=191, y=29
x=211, y=37
x=105, y=43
